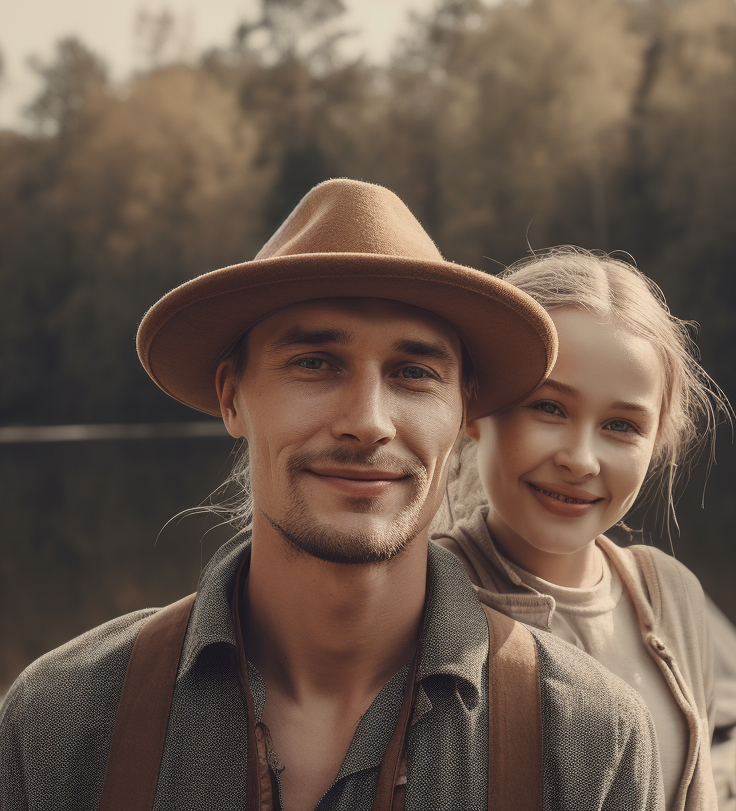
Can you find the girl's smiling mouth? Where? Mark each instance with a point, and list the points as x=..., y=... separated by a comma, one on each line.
x=569, y=502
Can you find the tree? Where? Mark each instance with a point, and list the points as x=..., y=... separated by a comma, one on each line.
x=687, y=128
x=151, y=189
x=70, y=82
x=303, y=98
x=297, y=30
x=528, y=107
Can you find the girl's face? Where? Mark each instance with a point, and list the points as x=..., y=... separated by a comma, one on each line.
x=567, y=463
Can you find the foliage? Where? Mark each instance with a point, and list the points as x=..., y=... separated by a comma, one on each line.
x=605, y=123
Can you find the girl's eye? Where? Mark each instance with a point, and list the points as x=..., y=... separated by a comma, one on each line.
x=620, y=426
x=414, y=373
x=546, y=407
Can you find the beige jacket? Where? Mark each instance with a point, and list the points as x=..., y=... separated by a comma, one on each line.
x=670, y=606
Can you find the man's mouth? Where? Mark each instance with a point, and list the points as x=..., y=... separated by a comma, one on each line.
x=353, y=474
x=358, y=482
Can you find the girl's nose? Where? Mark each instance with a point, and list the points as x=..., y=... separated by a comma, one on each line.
x=578, y=456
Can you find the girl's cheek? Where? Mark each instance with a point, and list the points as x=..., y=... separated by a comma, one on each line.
x=535, y=435
x=631, y=476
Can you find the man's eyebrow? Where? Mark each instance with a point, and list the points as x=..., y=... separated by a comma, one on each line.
x=304, y=336
x=425, y=349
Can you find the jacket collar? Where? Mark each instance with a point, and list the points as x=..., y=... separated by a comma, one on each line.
x=505, y=592
x=633, y=565
x=211, y=622
x=455, y=637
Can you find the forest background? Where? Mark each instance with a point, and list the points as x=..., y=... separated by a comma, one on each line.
x=609, y=124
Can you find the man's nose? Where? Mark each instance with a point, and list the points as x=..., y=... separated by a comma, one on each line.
x=364, y=412
x=578, y=454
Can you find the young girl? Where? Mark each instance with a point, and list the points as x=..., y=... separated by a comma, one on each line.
x=623, y=407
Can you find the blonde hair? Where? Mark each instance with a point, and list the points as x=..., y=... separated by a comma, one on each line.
x=614, y=290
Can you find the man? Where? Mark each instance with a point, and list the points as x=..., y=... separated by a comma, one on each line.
x=332, y=659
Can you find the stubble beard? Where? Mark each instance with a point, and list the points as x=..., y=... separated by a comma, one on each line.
x=303, y=532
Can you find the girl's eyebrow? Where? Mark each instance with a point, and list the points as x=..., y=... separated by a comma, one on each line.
x=620, y=405
x=563, y=388
x=625, y=405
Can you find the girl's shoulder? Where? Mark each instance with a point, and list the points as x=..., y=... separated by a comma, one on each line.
x=673, y=576
x=656, y=578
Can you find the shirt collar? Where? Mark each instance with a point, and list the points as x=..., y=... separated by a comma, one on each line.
x=454, y=644
x=455, y=638
x=211, y=620
x=454, y=641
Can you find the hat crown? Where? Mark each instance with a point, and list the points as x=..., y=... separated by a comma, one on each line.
x=350, y=216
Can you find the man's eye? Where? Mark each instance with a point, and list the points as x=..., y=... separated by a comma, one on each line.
x=310, y=363
x=413, y=373
x=547, y=407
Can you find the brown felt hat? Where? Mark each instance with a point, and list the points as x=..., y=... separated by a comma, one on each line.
x=347, y=238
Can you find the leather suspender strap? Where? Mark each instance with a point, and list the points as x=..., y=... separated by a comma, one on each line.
x=134, y=758
x=391, y=786
x=515, y=717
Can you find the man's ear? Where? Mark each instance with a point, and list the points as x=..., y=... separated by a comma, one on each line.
x=227, y=394
x=472, y=430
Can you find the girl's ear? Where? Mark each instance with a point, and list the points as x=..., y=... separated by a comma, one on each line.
x=472, y=430
x=227, y=390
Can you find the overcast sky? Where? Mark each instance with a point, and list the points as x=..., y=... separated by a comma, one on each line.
x=106, y=26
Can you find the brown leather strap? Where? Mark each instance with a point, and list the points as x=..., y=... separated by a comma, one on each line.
x=400, y=787
x=515, y=717
x=391, y=786
x=134, y=758
x=259, y=783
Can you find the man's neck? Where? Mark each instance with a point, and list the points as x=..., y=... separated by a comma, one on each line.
x=317, y=629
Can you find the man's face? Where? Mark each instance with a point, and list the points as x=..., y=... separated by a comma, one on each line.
x=351, y=409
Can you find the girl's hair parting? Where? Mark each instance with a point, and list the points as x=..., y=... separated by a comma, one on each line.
x=614, y=290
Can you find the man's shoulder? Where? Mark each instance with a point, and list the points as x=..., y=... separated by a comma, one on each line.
x=85, y=673
x=57, y=720
x=568, y=667
x=567, y=671
x=599, y=739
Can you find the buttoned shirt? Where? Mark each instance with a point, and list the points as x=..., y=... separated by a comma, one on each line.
x=57, y=720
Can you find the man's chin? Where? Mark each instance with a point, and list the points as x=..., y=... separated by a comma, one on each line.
x=352, y=555
x=368, y=542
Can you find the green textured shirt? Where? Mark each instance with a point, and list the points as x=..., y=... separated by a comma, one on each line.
x=56, y=723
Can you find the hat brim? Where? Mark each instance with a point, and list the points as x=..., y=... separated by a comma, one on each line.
x=509, y=337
